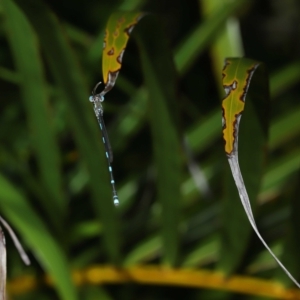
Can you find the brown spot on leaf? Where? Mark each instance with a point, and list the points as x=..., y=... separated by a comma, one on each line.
x=121, y=20
x=116, y=33
x=111, y=51
x=129, y=29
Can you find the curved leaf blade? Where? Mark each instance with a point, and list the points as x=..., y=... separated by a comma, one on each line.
x=117, y=33
x=237, y=75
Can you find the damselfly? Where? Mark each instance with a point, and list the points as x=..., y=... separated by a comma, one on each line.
x=97, y=99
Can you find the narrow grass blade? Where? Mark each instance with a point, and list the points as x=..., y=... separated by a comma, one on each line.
x=278, y=175
x=147, y=249
x=285, y=78
x=34, y=95
x=284, y=129
x=158, y=70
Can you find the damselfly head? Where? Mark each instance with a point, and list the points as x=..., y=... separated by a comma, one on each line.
x=96, y=98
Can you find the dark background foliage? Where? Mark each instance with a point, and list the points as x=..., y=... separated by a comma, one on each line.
x=81, y=227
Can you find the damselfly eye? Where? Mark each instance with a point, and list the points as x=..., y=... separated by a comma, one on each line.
x=91, y=98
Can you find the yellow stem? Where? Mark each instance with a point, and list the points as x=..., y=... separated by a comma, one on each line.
x=158, y=275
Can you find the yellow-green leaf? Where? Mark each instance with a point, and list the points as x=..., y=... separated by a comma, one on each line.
x=118, y=30
x=237, y=75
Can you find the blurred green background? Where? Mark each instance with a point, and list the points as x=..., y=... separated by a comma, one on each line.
x=54, y=184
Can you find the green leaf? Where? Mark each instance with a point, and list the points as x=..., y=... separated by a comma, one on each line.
x=204, y=252
x=159, y=74
x=34, y=95
x=146, y=249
